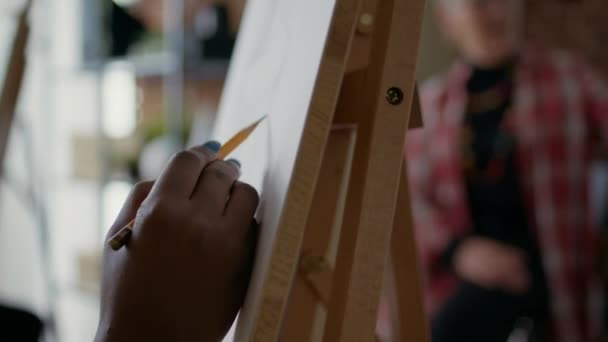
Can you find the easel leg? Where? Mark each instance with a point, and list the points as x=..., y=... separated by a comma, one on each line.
x=366, y=237
x=305, y=314
x=405, y=284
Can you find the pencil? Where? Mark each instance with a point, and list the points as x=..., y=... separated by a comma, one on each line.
x=237, y=139
x=118, y=240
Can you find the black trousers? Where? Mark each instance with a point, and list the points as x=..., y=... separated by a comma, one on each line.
x=19, y=326
x=476, y=314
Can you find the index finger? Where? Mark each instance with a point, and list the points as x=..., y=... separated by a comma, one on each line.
x=181, y=175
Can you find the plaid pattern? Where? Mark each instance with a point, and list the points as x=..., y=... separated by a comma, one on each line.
x=560, y=109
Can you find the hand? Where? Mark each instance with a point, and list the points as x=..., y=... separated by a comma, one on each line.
x=184, y=273
x=491, y=264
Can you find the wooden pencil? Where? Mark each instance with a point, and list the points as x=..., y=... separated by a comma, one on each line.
x=237, y=139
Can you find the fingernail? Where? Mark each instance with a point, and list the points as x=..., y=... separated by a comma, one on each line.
x=213, y=146
x=235, y=162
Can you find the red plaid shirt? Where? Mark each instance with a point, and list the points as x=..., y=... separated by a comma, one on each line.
x=560, y=107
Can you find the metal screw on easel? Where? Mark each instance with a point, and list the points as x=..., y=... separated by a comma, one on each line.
x=394, y=96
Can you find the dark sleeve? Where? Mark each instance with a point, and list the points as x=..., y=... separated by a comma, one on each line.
x=447, y=258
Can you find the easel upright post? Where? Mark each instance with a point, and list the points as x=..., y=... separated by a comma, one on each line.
x=405, y=285
x=389, y=87
x=378, y=99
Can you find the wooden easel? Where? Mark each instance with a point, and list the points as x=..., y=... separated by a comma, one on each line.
x=360, y=208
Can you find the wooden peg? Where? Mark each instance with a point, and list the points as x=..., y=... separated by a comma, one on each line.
x=366, y=23
x=318, y=275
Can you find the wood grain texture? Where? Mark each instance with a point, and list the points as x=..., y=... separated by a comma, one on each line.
x=386, y=150
x=13, y=80
x=322, y=229
x=405, y=282
x=289, y=64
x=356, y=290
x=349, y=111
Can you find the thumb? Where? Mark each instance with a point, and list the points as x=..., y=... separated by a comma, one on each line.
x=129, y=209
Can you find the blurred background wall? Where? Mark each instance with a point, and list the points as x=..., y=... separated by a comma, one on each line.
x=576, y=25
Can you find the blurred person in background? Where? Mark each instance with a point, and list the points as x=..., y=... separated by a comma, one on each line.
x=499, y=182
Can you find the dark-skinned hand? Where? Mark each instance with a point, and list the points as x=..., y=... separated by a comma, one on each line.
x=184, y=273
